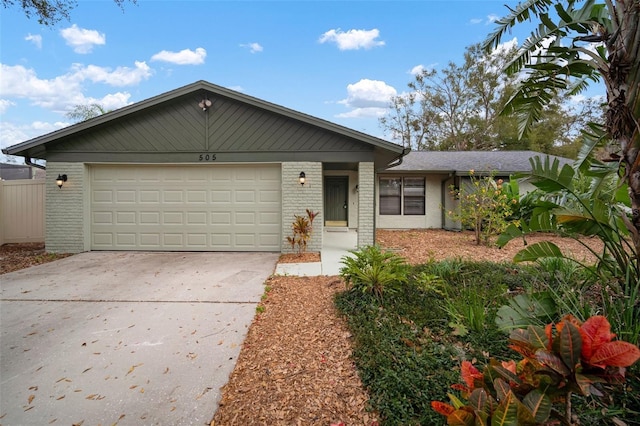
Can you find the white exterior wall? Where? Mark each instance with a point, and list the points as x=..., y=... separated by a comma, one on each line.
x=297, y=198
x=67, y=211
x=433, y=210
x=367, y=204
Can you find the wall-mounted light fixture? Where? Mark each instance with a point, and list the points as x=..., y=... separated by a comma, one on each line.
x=60, y=180
x=357, y=188
x=302, y=179
x=205, y=104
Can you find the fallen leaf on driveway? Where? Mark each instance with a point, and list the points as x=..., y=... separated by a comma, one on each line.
x=133, y=367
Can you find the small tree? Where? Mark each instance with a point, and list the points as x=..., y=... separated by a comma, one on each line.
x=484, y=206
x=302, y=228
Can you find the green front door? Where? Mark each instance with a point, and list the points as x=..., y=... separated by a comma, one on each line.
x=336, y=200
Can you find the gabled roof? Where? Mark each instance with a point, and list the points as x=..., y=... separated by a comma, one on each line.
x=36, y=147
x=461, y=162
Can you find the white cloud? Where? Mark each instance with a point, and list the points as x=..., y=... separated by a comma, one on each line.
x=506, y=46
x=418, y=69
x=35, y=39
x=492, y=18
x=253, y=47
x=475, y=21
x=183, y=57
x=12, y=134
x=121, y=76
x=62, y=92
x=353, y=39
x=5, y=104
x=82, y=40
x=367, y=98
x=114, y=100
x=237, y=88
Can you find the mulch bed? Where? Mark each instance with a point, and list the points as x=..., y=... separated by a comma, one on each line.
x=295, y=367
x=306, y=257
x=14, y=257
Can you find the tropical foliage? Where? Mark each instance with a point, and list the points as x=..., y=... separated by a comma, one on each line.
x=575, y=43
x=373, y=270
x=559, y=360
x=302, y=228
x=583, y=205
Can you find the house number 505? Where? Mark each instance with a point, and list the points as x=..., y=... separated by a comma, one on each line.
x=207, y=157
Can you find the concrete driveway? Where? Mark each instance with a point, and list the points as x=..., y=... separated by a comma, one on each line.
x=125, y=338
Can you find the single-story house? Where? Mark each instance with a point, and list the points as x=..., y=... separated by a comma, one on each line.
x=417, y=192
x=205, y=168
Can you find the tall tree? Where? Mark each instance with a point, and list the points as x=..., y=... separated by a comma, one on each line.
x=575, y=43
x=458, y=108
x=455, y=108
x=49, y=12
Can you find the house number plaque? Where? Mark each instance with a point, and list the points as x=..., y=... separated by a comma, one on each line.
x=207, y=157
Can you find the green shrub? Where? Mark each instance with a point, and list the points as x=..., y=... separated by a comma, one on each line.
x=484, y=205
x=372, y=270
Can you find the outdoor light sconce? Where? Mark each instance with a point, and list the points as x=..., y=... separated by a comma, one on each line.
x=60, y=180
x=302, y=179
x=204, y=104
x=357, y=188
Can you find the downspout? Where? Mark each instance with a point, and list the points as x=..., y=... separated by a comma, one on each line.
x=397, y=161
x=28, y=162
x=443, y=200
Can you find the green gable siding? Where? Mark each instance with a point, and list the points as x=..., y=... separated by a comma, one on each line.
x=233, y=130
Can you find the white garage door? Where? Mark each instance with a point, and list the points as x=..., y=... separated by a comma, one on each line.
x=186, y=208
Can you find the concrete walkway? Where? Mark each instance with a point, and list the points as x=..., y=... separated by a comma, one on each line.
x=125, y=338
x=335, y=244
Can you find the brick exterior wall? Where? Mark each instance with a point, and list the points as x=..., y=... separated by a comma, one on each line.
x=66, y=212
x=297, y=198
x=366, y=204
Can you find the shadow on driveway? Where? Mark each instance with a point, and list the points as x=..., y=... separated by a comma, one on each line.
x=127, y=338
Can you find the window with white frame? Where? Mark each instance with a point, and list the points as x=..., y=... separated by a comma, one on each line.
x=402, y=196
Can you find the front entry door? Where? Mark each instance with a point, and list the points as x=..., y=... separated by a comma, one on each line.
x=336, y=200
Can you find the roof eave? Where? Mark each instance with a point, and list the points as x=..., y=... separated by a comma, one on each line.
x=21, y=148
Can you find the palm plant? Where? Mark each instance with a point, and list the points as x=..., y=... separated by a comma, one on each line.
x=577, y=42
x=574, y=204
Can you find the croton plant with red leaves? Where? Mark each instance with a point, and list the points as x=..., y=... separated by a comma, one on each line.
x=561, y=359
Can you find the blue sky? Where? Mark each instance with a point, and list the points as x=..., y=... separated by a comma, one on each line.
x=337, y=60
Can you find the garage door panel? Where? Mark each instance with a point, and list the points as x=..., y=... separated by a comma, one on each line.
x=173, y=240
x=149, y=218
x=128, y=196
x=149, y=196
x=125, y=240
x=221, y=207
x=172, y=196
x=102, y=196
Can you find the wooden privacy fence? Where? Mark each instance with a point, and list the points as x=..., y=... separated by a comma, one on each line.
x=22, y=211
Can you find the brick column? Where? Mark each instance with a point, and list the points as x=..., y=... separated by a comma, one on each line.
x=297, y=198
x=366, y=204
x=65, y=213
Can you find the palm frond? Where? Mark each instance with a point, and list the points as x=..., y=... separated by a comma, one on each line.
x=524, y=11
